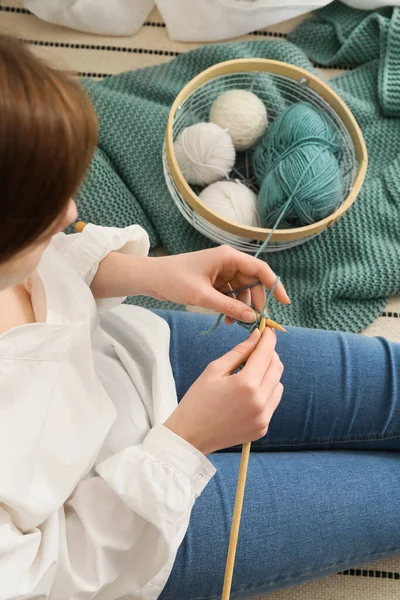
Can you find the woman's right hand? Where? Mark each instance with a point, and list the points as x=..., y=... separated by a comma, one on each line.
x=222, y=409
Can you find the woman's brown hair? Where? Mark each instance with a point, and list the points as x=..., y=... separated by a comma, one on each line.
x=48, y=132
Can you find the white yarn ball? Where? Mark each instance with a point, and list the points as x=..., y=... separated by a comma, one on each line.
x=243, y=114
x=233, y=201
x=205, y=153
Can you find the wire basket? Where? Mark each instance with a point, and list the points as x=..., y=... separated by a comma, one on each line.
x=278, y=85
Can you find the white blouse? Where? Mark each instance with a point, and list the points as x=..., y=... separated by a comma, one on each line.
x=95, y=493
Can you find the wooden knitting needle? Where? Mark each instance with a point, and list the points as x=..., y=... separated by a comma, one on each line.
x=273, y=325
x=237, y=511
x=79, y=226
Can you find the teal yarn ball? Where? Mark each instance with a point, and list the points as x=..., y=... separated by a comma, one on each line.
x=317, y=196
x=296, y=166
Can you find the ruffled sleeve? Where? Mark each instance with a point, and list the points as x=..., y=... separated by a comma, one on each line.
x=85, y=251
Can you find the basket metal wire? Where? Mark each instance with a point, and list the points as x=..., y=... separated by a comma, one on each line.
x=277, y=92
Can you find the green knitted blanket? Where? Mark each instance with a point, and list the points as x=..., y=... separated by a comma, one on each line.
x=343, y=278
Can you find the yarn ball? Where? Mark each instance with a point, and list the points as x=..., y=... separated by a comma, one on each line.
x=296, y=164
x=233, y=201
x=205, y=153
x=314, y=182
x=300, y=123
x=243, y=114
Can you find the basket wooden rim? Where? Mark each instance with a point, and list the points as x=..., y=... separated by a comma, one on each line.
x=314, y=83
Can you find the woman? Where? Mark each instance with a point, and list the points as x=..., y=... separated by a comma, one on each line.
x=100, y=467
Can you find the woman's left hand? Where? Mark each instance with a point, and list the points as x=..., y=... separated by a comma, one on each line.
x=201, y=278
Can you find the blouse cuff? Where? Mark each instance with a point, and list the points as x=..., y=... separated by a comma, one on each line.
x=180, y=455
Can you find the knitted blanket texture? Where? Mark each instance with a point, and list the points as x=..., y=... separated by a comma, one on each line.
x=341, y=279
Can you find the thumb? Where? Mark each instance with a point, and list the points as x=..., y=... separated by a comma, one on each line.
x=236, y=357
x=229, y=306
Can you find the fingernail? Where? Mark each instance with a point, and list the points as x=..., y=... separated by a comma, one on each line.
x=249, y=316
x=254, y=334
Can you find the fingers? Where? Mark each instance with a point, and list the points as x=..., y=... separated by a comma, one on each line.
x=263, y=272
x=232, y=360
x=255, y=294
x=272, y=375
x=234, y=267
x=227, y=287
x=260, y=360
x=245, y=297
x=258, y=297
x=270, y=407
x=270, y=392
x=256, y=269
x=228, y=305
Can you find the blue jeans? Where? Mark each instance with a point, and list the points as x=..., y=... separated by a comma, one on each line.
x=323, y=486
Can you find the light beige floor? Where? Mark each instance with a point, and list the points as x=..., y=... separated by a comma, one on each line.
x=97, y=56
